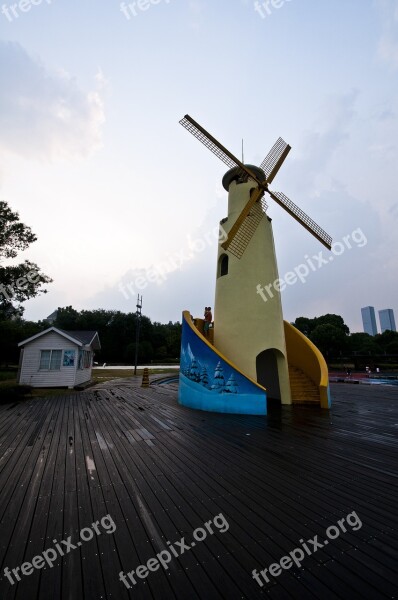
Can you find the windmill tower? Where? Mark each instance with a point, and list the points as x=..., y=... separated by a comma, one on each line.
x=248, y=330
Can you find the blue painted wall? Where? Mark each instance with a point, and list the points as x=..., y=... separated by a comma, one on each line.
x=207, y=382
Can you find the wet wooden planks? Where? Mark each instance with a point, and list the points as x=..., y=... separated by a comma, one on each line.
x=161, y=471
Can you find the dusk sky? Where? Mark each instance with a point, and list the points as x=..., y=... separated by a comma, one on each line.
x=124, y=200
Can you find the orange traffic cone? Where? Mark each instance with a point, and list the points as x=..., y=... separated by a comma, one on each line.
x=145, y=378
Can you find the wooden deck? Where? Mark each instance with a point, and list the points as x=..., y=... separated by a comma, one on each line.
x=161, y=470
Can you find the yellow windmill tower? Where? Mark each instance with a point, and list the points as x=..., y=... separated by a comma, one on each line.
x=249, y=328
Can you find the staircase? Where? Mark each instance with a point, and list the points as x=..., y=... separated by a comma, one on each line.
x=303, y=389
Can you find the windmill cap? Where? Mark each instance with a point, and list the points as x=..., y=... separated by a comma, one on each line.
x=234, y=174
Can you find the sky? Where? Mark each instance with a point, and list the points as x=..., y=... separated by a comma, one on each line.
x=124, y=200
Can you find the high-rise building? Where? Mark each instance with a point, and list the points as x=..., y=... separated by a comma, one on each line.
x=369, y=320
x=387, y=320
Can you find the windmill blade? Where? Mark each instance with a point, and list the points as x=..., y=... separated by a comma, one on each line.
x=214, y=146
x=274, y=159
x=246, y=224
x=302, y=218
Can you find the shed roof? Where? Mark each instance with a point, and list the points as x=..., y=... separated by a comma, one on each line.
x=81, y=338
x=88, y=338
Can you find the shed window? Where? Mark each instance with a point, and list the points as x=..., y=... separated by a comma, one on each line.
x=50, y=360
x=85, y=357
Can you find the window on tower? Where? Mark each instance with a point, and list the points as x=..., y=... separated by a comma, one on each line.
x=223, y=265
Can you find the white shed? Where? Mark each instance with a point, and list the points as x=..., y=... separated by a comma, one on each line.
x=57, y=358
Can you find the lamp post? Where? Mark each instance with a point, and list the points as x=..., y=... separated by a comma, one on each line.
x=137, y=330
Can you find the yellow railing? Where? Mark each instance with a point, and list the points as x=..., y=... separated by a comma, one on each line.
x=303, y=354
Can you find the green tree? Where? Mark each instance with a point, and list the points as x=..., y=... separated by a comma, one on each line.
x=330, y=319
x=161, y=353
x=145, y=353
x=22, y=281
x=304, y=325
x=117, y=333
x=13, y=331
x=307, y=326
x=387, y=342
x=363, y=343
x=330, y=340
x=392, y=347
x=67, y=318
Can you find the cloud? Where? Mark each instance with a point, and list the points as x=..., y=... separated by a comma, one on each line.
x=182, y=280
x=328, y=134
x=43, y=113
x=344, y=178
x=191, y=288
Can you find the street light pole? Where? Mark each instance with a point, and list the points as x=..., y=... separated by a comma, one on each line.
x=137, y=330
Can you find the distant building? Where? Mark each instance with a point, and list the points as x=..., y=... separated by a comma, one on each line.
x=387, y=320
x=52, y=318
x=369, y=320
x=57, y=358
